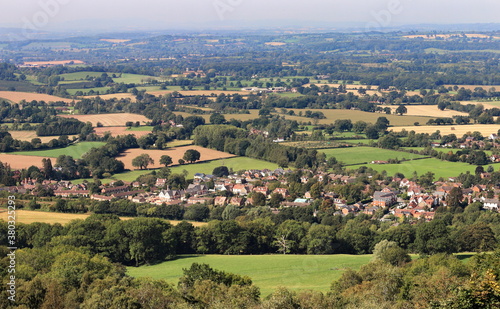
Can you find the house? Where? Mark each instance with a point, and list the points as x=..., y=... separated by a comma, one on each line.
x=263, y=190
x=111, y=190
x=200, y=200
x=160, y=182
x=101, y=198
x=493, y=136
x=282, y=191
x=384, y=199
x=220, y=201
x=491, y=204
x=238, y=201
x=197, y=189
x=69, y=193
x=240, y=189
x=168, y=195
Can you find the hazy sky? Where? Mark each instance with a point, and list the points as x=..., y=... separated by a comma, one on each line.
x=164, y=14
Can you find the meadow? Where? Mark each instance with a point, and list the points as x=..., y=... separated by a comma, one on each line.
x=458, y=130
x=359, y=155
x=440, y=168
x=76, y=151
x=295, y=272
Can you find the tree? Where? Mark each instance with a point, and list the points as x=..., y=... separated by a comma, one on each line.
x=401, y=110
x=217, y=119
x=220, y=171
x=390, y=252
x=191, y=155
x=372, y=132
x=455, y=197
x=166, y=160
x=382, y=123
x=142, y=161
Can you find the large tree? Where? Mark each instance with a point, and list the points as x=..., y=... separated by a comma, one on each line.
x=166, y=160
x=142, y=161
x=191, y=155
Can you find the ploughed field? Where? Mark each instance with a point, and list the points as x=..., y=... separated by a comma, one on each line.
x=109, y=120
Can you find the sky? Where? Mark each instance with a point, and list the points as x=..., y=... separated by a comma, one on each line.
x=167, y=14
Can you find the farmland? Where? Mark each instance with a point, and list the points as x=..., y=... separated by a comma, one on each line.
x=235, y=163
x=76, y=150
x=29, y=135
x=296, y=272
x=110, y=120
x=27, y=217
x=176, y=154
x=427, y=110
x=17, y=97
x=18, y=162
x=359, y=155
x=440, y=168
x=458, y=130
x=115, y=131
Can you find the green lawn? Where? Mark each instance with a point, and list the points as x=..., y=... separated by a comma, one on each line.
x=447, y=150
x=360, y=155
x=126, y=176
x=296, y=272
x=141, y=128
x=76, y=150
x=237, y=163
x=440, y=168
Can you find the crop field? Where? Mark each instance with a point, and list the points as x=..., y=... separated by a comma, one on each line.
x=115, y=131
x=355, y=155
x=334, y=114
x=18, y=162
x=427, y=110
x=176, y=154
x=28, y=216
x=28, y=97
x=440, y=168
x=458, y=130
x=63, y=62
x=295, y=272
x=109, y=120
x=235, y=163
x=29, y=135
x=486, y=104
x=76, y=150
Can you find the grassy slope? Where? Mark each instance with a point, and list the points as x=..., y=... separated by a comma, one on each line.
x=76, y=151
x=295, y=272
x=356, y=155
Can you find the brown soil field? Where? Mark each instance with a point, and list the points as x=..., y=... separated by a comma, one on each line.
x=114, y=40
x=119, y=131
x=109, y=120
x=16, y=97
x=275, y=43
x=37, y=63
x=27, y=217
x=472, y=87
x=459, y=131
x=176, y=154
x=29, y=135
x=490, y=104
x=164, y=92
x=18, y=162
x=427, y=110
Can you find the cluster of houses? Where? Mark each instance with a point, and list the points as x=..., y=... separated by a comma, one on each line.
x=409, y=200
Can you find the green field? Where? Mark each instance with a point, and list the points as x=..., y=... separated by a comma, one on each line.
x=447, y=150
x=355, y=155
x=141, y=128
x=124, y=78
x=237, y=164
x=296, y=272
x=76, y=150
x=440, y=168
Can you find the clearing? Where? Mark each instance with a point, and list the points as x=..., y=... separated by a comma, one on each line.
x=176, y=154
x=109, y=120
x=76, y=151
x=362, y=155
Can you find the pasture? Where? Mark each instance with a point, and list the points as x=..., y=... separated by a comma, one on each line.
x=18, y=162
x=295, y=272
x=17, y=97
x=76, y=151
x=355, y=115
x=176, y=154
x=359, y=155
x=440, y=168
x=29, y=216
x=235, y=163
x=427, y=110
x=459, y=131
x=109, y=120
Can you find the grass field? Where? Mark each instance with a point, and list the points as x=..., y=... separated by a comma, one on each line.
x=296, y=272
x=334, y=114
x=360, y=155
x=76, y=150
x=141, y=128
x=440, y=168
x=28, y=216
x=236, y=163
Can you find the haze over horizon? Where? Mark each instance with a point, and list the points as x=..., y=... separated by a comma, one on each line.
x=57, y=15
